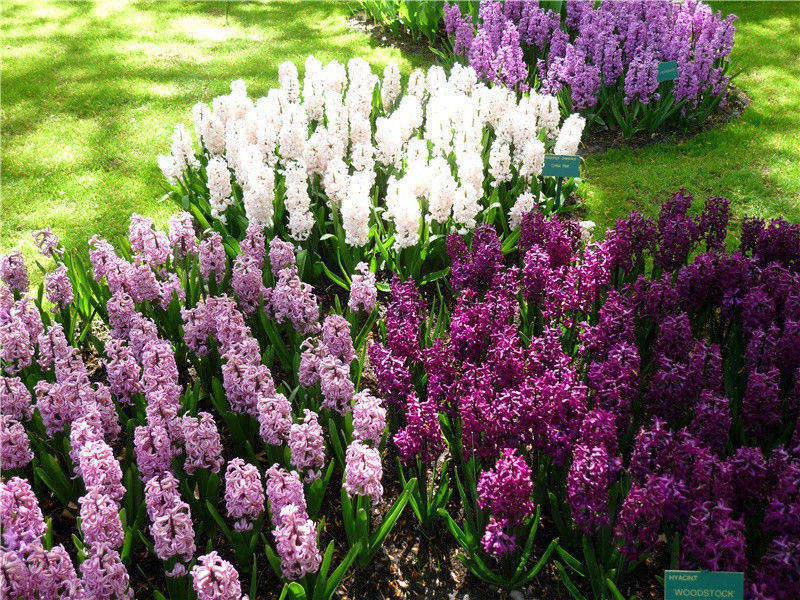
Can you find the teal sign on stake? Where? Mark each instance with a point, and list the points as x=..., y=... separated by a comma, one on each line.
x=667, y=71
x=561, y=165
x=703, y=585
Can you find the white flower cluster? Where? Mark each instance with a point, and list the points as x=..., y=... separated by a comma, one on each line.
x=430, y=146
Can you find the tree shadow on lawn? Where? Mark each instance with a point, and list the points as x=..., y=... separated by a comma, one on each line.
x=130, y=86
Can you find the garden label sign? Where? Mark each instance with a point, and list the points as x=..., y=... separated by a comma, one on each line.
x=699, y=585
x=667, y=71
x=556, y=165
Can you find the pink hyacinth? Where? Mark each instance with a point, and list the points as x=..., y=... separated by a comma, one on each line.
x=311, y=356
x=274, y=418
x=87, y=428
x=244, y=494
x=335, y=383
x=281, y=256
x=160, y=492
x=181, y=235
x=21, y=518
x=100, y=522
x=363, y=292
x=54, y=573
x=148, y=244
x=369, y=418
x=202, y=443
x=307, y=445
x=245, y=382
x=296, y=543
x=15, y=447
x=336, y=336
x=363, y=471
x=154, y=450
x=216, y=579
x=104, y=576
x=100, y=468
x=59, y=287
x=47, y=242
x=294, y=301
x=212, y=257
x=173, y=534
x=122, y=370
x=15, y=399
x=283, y=488
x=13, y=271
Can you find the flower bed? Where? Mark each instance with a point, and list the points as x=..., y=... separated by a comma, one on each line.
x=603, y=60
x=605, y=409
x=360, y=169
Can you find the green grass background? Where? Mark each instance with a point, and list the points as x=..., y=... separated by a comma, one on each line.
x=92, y=90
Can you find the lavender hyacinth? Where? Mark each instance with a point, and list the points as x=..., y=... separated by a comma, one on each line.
x=244, y=494
x=296, y=543
x=307, y=445
x=363, y=471
x=363, y=292
x=202, y=443
x=214, y=578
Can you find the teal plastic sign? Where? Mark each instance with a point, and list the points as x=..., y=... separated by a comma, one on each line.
x=703, y=585
x=556, y=165
x=667, y=71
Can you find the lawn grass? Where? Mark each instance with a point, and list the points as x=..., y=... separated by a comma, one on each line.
x=753, y=161
x=91, y=93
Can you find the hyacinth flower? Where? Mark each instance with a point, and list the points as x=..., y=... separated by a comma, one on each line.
x=354, y=167
x=596, y=60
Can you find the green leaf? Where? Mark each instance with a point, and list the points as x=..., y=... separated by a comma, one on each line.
x=391, y=516
x=337, y=576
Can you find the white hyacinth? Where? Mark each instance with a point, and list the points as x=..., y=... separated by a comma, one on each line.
x=428, y=140
x=570, y=135
x=402, y=207
x=525, y=203
x=219, y=186
x=356, y=209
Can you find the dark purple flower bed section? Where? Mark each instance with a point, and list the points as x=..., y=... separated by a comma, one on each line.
x=642, y=392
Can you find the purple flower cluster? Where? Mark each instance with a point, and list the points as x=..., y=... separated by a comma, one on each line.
x=244, y=494
x=607, y=50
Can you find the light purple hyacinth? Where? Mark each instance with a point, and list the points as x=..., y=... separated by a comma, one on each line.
x=212, y=257
x=336, y=337
x=274, y=418
x=283, y=488
x=47, y=242
x=296, y=543
x=100, y=521
x=20, y=515
x=104, y=576
x=244, y=494
x=369, y=418
x=123, y=370
x=312, y=352
x=15, y=399
x=147, y=243
x=307, y=445
x=181, y=235
x=254, y=244
x=281, y=256
x=247, y=280
x=245, y=383
x=202, y=443
x=363, y=291
x=99, y=468
x=58, y=287
x=214, y=578
x=54, y=574
x=15, y=447
x=294, y=301
x=13, y=271
x=335, y=383
x=363, y=471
